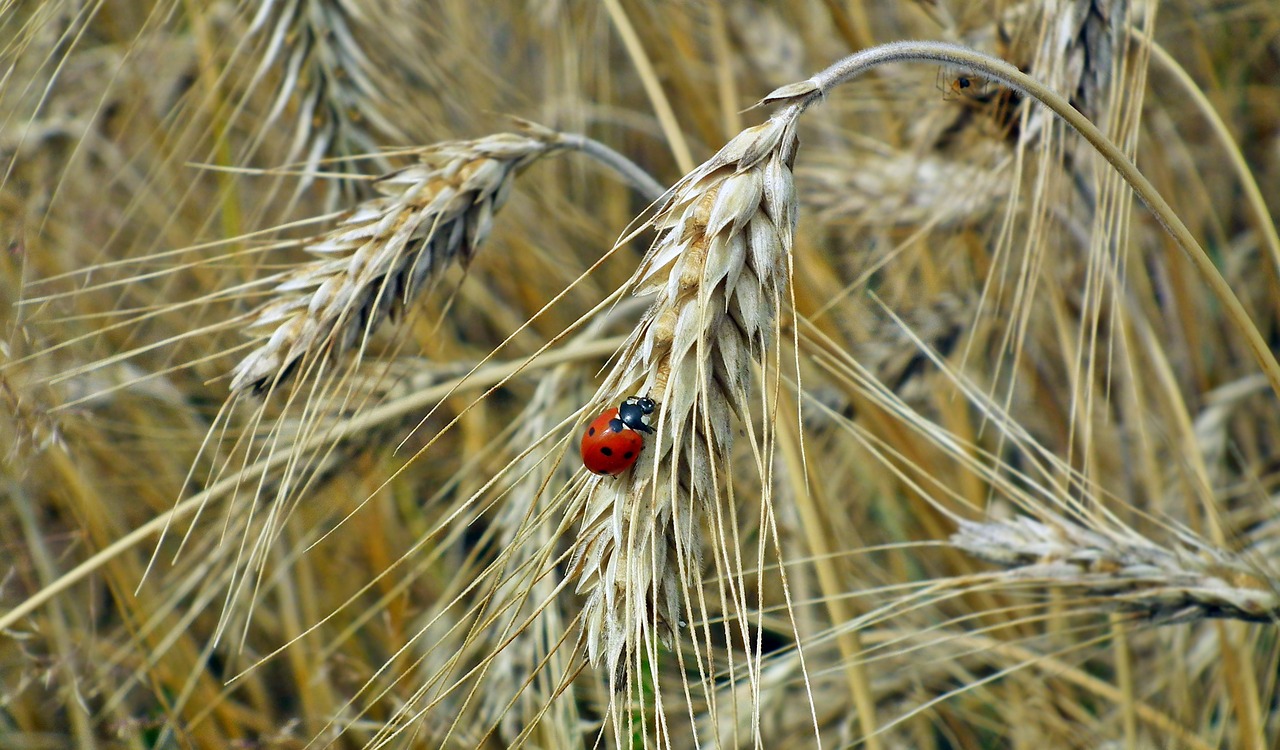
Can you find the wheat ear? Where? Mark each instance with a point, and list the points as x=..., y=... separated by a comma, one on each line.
x=1126, y=570
x=377, y=260
x=339, y=94
x=1084, y=35
x=717, y=271
x=380, y=256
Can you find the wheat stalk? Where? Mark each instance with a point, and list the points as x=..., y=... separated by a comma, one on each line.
x=724, y=239
x=808, y=92
x=380, y=256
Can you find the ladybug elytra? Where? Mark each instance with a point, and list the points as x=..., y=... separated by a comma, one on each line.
x=613, y=440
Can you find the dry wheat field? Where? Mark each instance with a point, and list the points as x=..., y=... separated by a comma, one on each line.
x=959, y=322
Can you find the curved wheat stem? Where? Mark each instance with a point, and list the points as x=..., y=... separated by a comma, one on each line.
x=806, y=93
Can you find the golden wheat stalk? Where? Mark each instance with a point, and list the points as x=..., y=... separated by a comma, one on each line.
x=718, y=272
x=806, y=93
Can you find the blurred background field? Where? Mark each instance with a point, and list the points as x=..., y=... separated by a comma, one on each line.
x=1023, y=485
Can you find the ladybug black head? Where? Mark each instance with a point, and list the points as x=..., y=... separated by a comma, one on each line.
x=633, y=411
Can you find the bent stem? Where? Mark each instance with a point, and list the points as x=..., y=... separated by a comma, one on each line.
x=628, y=170
x=806, y=93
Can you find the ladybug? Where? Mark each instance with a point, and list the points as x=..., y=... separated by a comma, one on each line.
x=613, y=441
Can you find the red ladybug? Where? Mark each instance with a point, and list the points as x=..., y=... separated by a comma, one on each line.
x=612, y=443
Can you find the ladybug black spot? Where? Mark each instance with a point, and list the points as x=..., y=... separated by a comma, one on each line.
x=607, y=450
x=591, y=432
x=628, y=454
